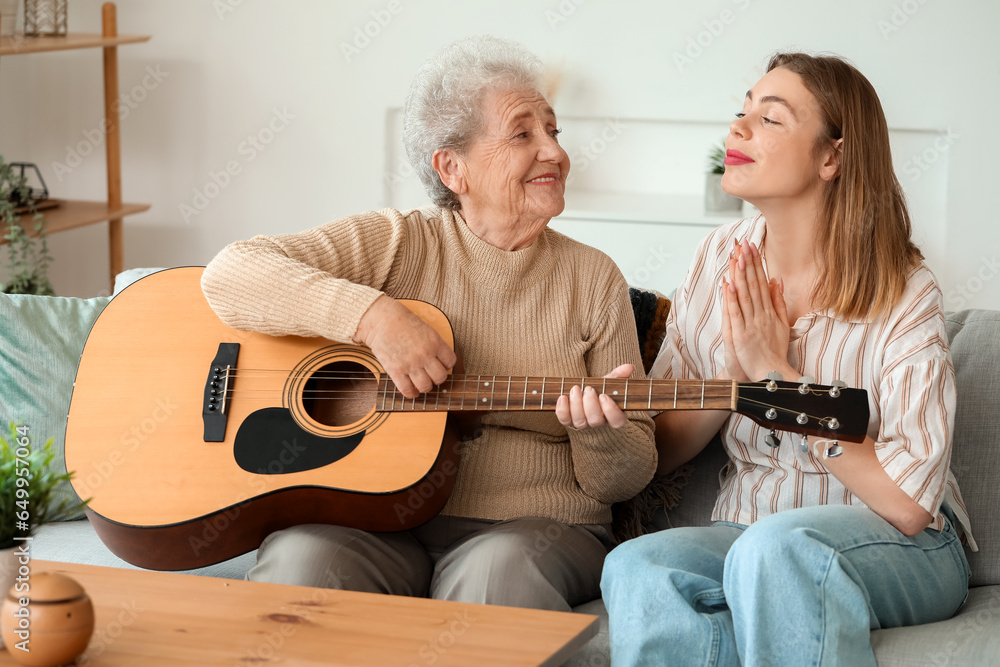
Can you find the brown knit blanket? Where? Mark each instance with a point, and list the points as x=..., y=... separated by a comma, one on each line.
x=632, y=517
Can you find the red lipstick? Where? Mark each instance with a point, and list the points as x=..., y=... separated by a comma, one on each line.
x=735, y=158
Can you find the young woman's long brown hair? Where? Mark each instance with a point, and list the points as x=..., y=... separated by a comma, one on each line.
x=865, y=244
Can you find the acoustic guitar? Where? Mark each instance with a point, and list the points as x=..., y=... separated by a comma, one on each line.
x=194, y=441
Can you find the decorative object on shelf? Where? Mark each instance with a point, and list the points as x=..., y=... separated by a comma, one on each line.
x=29, y=256
x=8, y=16
x=44, y=17
x=718, y=200
x=60, y=621
x=39, y=196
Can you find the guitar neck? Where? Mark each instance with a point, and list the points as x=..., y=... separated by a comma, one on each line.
x=503, y=393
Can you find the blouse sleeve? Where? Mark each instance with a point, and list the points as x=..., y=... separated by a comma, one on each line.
x=915, y=398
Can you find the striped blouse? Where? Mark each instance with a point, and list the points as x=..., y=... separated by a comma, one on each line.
x=901, y=358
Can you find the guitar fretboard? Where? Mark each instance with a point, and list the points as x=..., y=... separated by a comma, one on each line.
x=496, y=393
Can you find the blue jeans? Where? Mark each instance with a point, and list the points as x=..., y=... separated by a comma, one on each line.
x=800, y=587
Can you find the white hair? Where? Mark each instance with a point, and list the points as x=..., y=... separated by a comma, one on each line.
x=444, y=106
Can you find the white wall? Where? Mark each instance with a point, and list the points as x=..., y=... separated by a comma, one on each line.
x=278, y=71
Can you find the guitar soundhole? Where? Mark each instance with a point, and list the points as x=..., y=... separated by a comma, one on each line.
x=340, y=394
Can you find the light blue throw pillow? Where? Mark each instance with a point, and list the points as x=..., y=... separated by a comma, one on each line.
x=41, y=339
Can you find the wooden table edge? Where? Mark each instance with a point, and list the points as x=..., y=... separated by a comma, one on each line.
x=562, y=654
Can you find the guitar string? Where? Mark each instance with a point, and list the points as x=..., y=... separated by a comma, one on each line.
x=815, y=390
x=406, y=405
x=466, y=394
x=460, y=395
x=354, y=394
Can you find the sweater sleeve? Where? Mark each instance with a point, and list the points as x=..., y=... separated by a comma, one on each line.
x=613, y=465
x=315, y=283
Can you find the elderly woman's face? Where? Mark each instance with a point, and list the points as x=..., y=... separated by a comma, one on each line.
x=515, y=172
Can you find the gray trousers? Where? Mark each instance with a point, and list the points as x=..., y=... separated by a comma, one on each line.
x=530, y=562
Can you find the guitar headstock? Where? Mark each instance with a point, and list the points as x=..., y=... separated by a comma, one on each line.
x=828, y=411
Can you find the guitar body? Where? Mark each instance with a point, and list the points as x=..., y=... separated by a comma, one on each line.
x=174, y=484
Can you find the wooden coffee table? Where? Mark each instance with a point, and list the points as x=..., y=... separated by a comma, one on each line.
x=161, y=618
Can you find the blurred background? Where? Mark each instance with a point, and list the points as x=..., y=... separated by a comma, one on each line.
x=243, y=117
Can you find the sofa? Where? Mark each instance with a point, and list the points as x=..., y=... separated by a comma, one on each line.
x=41, y=339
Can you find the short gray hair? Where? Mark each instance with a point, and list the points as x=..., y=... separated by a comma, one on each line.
x=444, y=106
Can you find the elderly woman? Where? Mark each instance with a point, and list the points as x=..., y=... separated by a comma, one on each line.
x=528, y=521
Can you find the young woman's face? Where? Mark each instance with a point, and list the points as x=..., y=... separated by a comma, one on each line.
x=771, y=151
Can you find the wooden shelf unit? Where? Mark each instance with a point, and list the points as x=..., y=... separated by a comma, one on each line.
x=19, y=44
x=72, y=214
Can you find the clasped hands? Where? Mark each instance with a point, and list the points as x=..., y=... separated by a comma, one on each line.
x=417, y=359
x=755, y=327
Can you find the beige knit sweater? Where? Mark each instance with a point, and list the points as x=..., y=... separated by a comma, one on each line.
x=557, y=308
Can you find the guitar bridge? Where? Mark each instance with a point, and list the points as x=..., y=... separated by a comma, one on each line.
x=217, y=391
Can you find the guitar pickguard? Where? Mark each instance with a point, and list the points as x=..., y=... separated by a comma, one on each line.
x=270, y=442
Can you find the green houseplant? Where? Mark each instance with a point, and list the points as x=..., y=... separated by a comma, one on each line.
x=29, y=256
x=717, y=158
x=26, y=485
x=718, y=200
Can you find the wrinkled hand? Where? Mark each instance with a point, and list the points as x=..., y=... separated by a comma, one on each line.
x=755, y=318
x=587, y=409
x=410, y=350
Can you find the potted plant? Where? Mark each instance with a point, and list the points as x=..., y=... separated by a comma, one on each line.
x=26, y=494
x=718, y=200
x=29, y=256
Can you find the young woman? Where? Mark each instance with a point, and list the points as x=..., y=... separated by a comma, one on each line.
x=808, y=552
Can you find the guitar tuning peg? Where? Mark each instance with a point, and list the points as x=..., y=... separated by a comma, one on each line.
x=805, y=381
x=834, y=450
x=835, y=388
x=772, y=439
x=773, y=378
x=804, y=443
